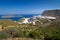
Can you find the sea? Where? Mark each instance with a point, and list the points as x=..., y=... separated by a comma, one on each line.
x=17, y=16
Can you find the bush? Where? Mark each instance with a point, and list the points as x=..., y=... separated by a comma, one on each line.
x=10, y=32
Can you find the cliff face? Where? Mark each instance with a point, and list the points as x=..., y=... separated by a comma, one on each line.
x=54, y=13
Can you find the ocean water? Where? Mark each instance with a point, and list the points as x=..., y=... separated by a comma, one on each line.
x=18, y=16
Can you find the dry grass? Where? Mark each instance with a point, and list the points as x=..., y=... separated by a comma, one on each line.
x=19, y=39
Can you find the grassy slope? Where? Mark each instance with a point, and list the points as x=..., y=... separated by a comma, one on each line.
x=51, y=31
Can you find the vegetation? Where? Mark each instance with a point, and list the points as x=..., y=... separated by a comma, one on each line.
x=50, y=32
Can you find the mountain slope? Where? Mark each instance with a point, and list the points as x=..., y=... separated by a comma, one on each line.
x=54, y=13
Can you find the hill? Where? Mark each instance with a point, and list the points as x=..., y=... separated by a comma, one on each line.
x=54, y=13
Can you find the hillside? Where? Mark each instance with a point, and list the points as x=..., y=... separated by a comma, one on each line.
x=44, y=28
x=54, y=13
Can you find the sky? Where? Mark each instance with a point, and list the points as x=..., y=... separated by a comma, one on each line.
x=27, y=6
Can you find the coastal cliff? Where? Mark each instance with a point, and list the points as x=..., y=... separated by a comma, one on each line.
x=53, y=13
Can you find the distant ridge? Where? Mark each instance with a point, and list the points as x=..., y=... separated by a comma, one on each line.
x=53, y=13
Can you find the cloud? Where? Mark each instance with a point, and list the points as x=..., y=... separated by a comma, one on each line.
x=30, y=11
x=20, y=11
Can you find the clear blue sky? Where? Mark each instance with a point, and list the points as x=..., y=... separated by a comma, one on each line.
x=27, y=6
